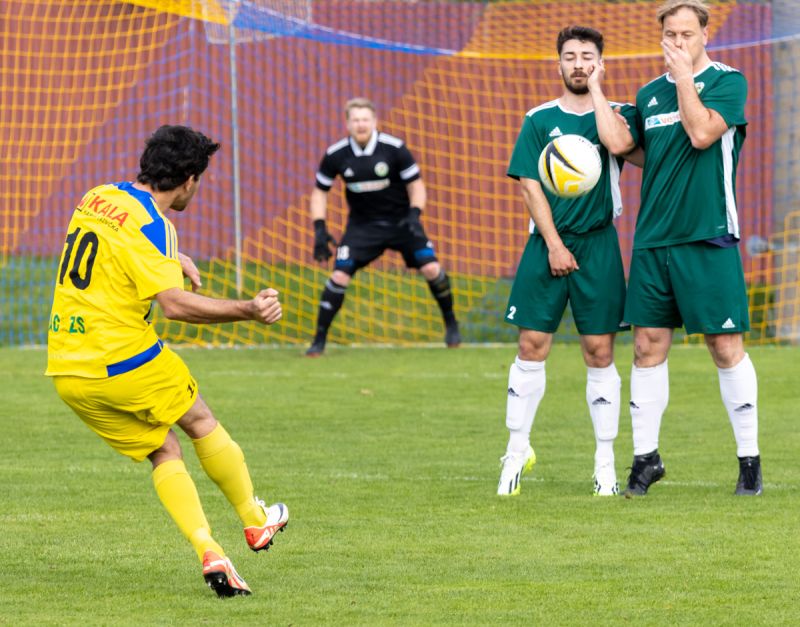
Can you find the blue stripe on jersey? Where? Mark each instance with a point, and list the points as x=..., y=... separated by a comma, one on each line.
x=423, y=253
x=156, y=231
x=126, y=365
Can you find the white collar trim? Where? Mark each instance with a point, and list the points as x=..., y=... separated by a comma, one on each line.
x=367, y=150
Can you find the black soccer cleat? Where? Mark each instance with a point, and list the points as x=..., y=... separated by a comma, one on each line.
x=645, y=471
x=317, y=348
x=452, y=336
x=749, y=483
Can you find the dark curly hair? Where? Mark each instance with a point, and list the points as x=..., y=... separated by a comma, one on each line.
x=172, y=155
x=581, y=33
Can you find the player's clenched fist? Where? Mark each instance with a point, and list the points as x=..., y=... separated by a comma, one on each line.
x=267, y=307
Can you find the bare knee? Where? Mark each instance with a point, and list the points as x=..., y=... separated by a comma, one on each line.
x=168, y=451
x=534, y=345
x=341, y=278
x=727, y=349
x=651, y=346
x=431, y=270
x=198, y=422
x=598, y=350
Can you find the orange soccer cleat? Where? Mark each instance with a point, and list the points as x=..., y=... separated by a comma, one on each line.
x=221, y=576
x=260, y=538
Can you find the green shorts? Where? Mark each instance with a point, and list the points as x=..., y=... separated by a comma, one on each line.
x=697, y=285
x=596, y=292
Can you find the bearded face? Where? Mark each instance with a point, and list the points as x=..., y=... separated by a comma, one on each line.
x=577, y=60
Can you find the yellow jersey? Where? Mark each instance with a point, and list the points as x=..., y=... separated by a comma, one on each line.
x=120, y=251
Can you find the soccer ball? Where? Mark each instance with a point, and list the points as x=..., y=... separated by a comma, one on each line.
x=570, y=166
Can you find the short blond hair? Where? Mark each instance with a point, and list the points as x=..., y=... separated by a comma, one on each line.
x=357, y=103
x=670, y=7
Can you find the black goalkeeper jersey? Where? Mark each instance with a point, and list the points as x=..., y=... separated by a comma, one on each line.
x=375, y=176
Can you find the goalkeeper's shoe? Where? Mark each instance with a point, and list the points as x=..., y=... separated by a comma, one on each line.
x=260, y=538
x=452, y=336
x=645, y=471
x=317, y=348
x=750, y=483
x=221, y=576
x=514, y=466
x=605, y=480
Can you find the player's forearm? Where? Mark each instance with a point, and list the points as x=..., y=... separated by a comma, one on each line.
x=539, y=210
x=613, y=133
x=635, y=156
x=417, y=196
x=183, y=306
x=319, y=204
x=697, y=120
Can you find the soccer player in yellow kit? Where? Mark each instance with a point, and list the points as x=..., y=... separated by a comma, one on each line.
x=109, y=366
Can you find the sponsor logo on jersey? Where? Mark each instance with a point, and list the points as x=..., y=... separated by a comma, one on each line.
x=381, y=168
x=728, y=324
x=699, y=87
x=105, y=211
x=348, y=172
x=556, y=132
x=653, y=102
x=663, y=119
x=368, y=186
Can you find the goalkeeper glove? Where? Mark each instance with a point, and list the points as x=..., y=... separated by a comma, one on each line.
x=322, y=239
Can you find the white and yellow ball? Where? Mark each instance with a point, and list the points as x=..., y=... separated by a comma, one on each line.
x=570, y=166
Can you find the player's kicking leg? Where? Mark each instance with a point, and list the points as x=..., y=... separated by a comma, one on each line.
x=223, y=461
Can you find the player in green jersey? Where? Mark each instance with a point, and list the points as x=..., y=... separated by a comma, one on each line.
x=686, y=269
x=572, y=255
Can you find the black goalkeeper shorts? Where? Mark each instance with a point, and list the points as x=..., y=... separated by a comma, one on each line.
x=363, y=243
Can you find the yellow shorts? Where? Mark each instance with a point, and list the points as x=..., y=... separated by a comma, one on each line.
x=133, y=411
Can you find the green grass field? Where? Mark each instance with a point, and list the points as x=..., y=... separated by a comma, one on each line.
x=388, y=460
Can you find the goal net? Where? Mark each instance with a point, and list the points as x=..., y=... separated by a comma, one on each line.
x=86, y=82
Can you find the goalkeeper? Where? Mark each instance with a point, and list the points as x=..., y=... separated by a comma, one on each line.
x=108, y=365
x=386, y=196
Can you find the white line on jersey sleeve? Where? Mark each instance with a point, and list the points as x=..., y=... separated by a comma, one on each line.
x=409, y=172
x=324, y=180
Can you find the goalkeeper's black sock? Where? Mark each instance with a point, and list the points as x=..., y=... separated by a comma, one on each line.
x=440, y=288
x=329, y=306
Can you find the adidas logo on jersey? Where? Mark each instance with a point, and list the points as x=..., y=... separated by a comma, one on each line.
x=512, y=393
x=348, y=172
x=600, y=401
x=728, y=324
x=556, y=132
x=653, y=102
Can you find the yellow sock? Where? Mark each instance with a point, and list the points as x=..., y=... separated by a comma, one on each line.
x=179, y=496
x=223, y=461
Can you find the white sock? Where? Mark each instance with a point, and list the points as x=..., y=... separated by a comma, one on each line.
x=602, y=396
x=526, y=383
x=738, y=387
x=649, y=398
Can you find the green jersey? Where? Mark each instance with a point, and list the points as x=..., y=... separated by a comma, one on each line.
x=596, y=209
x=689, y=195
